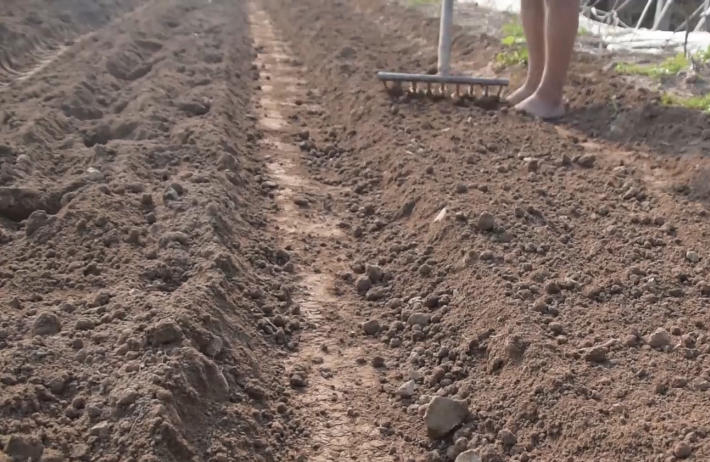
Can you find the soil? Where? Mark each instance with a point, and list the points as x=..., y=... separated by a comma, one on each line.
x=222, y=240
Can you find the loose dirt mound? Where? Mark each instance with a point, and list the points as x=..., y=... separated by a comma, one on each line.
x=140, y=298
x=220, y=239
x=32, y=31
x=555, y=283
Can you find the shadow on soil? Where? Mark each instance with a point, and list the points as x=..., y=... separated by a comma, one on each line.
x=678, y=136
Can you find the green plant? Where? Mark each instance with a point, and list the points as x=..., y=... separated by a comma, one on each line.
x=514, y=29
x=670, y=66
x=701, y=103
x=702, y=56
x=514, y=41
x=512, y=57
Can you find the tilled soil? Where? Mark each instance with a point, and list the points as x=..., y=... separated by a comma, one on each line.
x=135, y=271
x=222, y=240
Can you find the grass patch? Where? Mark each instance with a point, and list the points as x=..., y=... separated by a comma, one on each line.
x=698, y=103
x=516, y=48
x=671, y=66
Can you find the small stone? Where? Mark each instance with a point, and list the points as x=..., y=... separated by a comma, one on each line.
x=36, y=220
x=692, y=256
x=94, y=174
x=297, y=381
x=174, y=236
x=80, y=451
x=701, y=385
x=552, y=288
x=363, y=284
x=371, y=327
x=377, y=294
x=171, y=195
x=24, y=447
x=166, y=331
x=486, y=221
x=101, y=429
x=631, y=340
x=420, y=319
x=595, y=354
x=128, y=397
x=164, y=395
x=378, y=361
x=302, y=202
x=50, y=455
x=84, y=324
x=46, y=324
x=508, y=438
x=407, y=389
x=443, y=415
x=659, y=339
x=682, y=450
x=468, y=456
x=533, y=165
x=587, y=160
x=374, y=273
x=214, y=347
x=147, y=199
x=540, y=306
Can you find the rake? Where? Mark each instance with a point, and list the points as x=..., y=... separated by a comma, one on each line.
x=443, y=79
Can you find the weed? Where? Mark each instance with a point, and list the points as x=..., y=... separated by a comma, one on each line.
x=512, y=57
x=671, y=66
x=701, y=103
x=514, y=41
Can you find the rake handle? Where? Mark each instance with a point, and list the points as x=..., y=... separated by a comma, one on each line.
x=447, y=21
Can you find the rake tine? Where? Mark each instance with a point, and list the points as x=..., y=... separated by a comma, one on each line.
x=500, y=90
x=457, y=90
x=485, y=90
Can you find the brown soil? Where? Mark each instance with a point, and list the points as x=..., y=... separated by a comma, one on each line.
x=221, y=240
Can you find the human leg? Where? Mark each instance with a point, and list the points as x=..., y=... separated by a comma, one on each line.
x=532, y=14
x=561, y=24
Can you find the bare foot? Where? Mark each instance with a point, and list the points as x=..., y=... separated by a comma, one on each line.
x=538, y=107
x=520, y=95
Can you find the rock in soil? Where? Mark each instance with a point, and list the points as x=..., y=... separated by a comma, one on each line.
x=468, y=456
x=443, y=415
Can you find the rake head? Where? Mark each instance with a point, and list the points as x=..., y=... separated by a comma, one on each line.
x=443, y=86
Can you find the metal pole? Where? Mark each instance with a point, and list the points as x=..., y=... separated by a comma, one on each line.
x=643, y=13
x=662, y=20
x=686, y=24
x=447, y=20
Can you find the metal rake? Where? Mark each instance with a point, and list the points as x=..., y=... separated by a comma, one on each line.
x=442, y=80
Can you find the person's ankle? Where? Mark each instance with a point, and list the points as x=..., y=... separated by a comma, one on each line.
x=531, y=86
x=550, y=97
